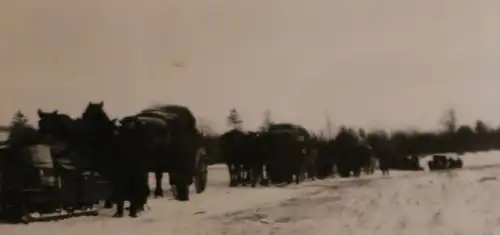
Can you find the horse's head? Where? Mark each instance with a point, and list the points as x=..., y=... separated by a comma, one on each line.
x=94, y=119
x=55, y=125
x=95, y=112
x=49, y=122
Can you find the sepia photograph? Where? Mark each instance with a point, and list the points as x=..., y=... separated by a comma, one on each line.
x=250, y=117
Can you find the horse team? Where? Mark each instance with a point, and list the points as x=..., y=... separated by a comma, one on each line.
x=165, y=139
x=160, y=140
x=285, y=153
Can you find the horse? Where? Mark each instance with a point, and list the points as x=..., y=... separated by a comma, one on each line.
x=352, y=153
x=286, y=145
x=167, y=137
x=325, y=161
x=234, y=151
x=243, y=154
x=93, y=138
x=105, y=143
x=310, y=166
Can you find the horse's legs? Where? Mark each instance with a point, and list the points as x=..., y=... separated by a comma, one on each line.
x=284, y=175
x=134, y=209
x=289, y=174
x=247, y=174
x=357, y=172
x=298, y=177
x=180, y=186
x=243, y=175
x=298, y=172
x=158, y=189
x=143, y=198
x=139, y=196
x=255, y=174
x=264, y=178
x=273, y=173
x=232, y=175
x=254, y=177
x=134, y=205
x=314, y=171
x=182, y=192
x=119, y=208
x=108, y=204
x=239, y=173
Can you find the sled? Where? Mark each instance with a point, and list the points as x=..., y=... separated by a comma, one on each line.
x=59, y=215
x=49, y=188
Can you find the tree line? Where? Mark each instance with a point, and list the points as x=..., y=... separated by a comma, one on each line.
x=451, y=138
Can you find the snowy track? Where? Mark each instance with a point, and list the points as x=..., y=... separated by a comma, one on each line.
x=465, y=202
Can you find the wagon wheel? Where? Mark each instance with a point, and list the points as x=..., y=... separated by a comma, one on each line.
x=200, y=177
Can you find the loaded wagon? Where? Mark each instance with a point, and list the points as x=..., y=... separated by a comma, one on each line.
x=287, y=146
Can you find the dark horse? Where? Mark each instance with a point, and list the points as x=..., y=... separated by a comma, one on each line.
x=168, y=138
x=94, y=138
x=352, y=153
x=97, y=140
x=244, y=156
x=235, y=151
x=287, y=150
x=108, y=146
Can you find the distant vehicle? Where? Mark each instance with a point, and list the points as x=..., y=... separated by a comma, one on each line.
x=443, y=162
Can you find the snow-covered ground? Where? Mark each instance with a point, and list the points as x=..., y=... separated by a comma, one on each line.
x=457, y=202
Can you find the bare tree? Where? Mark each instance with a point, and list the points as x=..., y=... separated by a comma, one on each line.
x=19, y=120
x=449, y=121
x=329, y=127
x=234, y=119
x=267, y=120
x=481, y=127
x=18, y=126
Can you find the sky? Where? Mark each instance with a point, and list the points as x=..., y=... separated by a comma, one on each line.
x=373, y=64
